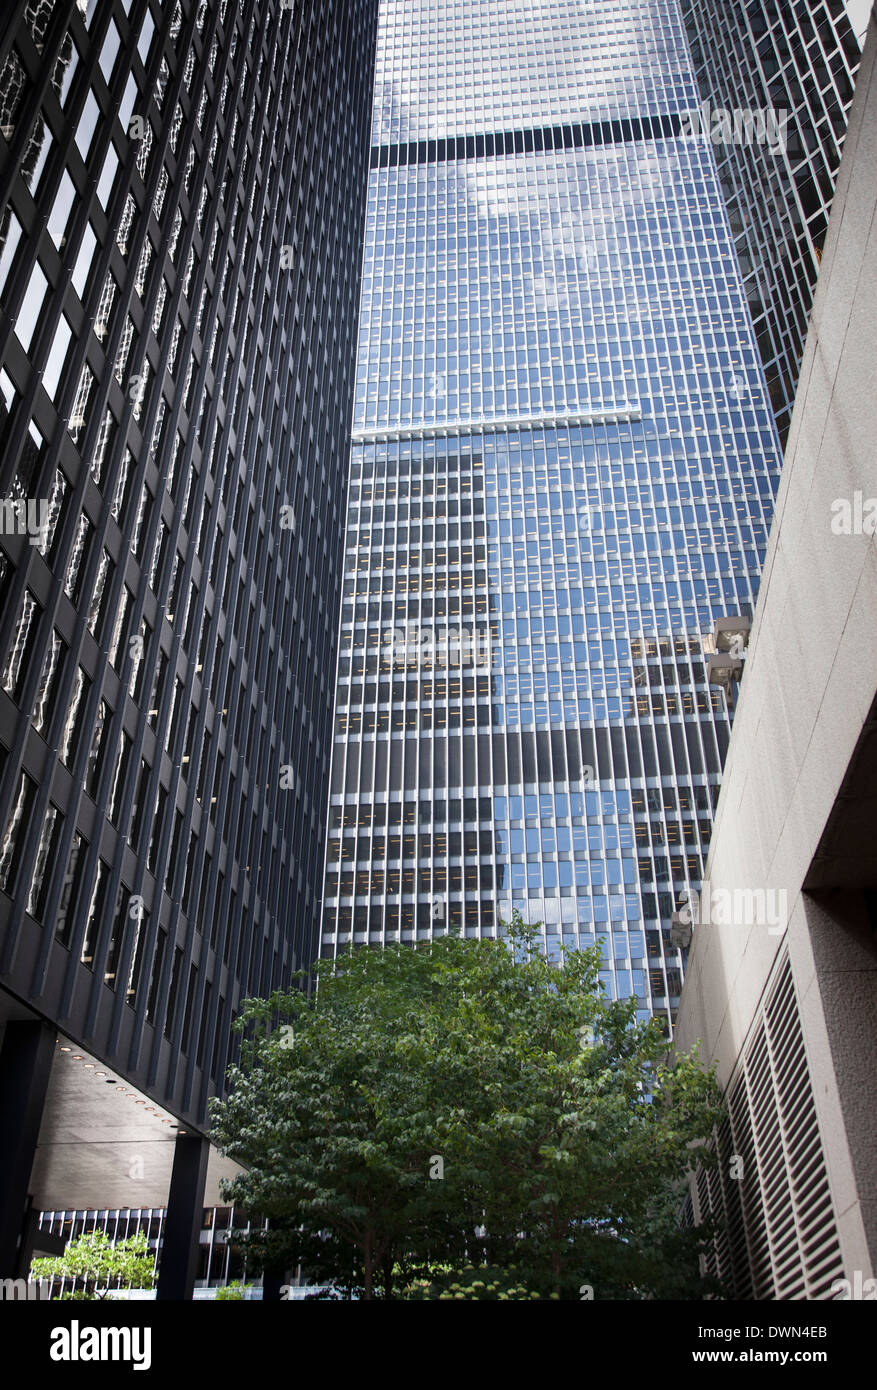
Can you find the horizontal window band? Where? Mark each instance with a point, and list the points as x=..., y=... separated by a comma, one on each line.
x=505, y=425
x=576, y=135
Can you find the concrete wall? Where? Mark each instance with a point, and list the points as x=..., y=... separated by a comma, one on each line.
x=804, y=718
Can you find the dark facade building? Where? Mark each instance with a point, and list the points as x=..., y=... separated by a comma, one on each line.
x=798, y=59
x=182, y=190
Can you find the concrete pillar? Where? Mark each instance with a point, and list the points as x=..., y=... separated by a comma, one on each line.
x=25, y=1068
x=185, y=1205
x=273, y=1280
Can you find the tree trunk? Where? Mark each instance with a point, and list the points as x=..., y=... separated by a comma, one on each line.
x=369, y=1263
x=388, y=1274
x=555, y=1255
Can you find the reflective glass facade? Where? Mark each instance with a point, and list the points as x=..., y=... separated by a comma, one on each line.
x=799, y=57
x=182, y=196
x=563, y=471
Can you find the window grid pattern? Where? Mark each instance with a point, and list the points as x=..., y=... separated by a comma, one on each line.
x=564, y=451
x=182, y=193
x=800, y=58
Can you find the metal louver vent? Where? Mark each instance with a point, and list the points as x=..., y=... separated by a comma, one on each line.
x=769, y=1196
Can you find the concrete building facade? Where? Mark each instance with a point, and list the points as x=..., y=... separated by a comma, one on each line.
x=788, y=1006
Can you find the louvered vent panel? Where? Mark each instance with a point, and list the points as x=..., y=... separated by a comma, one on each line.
x=778, y=1237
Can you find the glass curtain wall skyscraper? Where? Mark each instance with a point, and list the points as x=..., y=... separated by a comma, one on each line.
x=563, y=472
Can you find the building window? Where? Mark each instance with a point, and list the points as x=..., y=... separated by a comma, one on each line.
x=15, y=835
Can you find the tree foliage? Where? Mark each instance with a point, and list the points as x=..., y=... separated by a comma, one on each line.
x=235, y=1292
x=463, y=1104
x=99, y=1265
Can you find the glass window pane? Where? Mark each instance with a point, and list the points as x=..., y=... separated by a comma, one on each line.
x=87, y=125
x=109, y=51
x=108, y=176
x=87, y=250
x=60, y=214
x=57, y=357
x=9, y=248
x=31, y=307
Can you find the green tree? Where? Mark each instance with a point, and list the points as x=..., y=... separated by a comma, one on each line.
x=460, y=1104
x=94, y=1261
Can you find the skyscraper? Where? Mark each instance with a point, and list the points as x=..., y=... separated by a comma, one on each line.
x=564, y=454
x=182, y=190
x=799, y=59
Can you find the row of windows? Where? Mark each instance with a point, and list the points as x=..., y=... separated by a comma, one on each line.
x=564, y=877
x=173, y=338
x=515, y=840
x=612, y=803
x=418, y=719
x=583, y=921
x=614, y=806
x=550, y=564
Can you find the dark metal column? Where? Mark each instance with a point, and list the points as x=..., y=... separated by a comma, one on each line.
x=25, y=1068
x=185, y=1205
